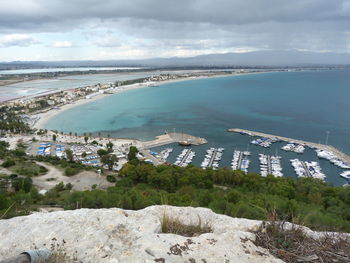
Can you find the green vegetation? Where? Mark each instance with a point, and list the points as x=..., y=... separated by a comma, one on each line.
x=111, y=178
x=8, y=163
x=12, y=122
x=18, y=163
x=109, y=160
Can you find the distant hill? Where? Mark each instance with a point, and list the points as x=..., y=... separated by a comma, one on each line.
x=249, y=59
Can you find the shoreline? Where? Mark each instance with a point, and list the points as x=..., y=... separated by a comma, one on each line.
x=44, y=117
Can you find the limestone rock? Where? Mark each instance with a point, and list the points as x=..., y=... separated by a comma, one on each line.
x=117, y=235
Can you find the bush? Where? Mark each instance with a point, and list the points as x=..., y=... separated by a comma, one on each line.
x=70, y=171
x=111, y=178
x=42, y=170
x=175, y=226
x=293, y=245
x=125, y=182
x=8, y=163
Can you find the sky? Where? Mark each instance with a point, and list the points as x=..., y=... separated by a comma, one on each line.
x=134, y=29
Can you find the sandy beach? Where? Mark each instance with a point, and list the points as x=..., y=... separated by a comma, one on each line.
x=44, y=117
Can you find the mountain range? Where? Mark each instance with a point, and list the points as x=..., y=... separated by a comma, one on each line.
x=248, y=59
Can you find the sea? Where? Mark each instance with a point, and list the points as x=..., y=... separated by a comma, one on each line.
x=304, y=105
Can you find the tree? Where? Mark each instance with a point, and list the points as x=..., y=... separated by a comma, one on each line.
x=109, y=160
x=69, y=155
x=132, y=153
x=102, y=152
x=54, y=137
x=86, y=138
x=109, y=146
x=24, y=184
x=84, y=154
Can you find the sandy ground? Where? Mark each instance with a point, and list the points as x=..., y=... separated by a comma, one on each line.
x=82, y=181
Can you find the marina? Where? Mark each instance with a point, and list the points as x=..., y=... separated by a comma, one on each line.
x=264, y=141
x=164, y=154
x=270, y=164
x=307, y=169
x=240, y=161
x=212, y=158
x=345, y=175
x=293, y=147
x=328, y=148
x=185, y=157
x=332, y=158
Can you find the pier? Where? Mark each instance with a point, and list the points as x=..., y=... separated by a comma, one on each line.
x=344, y=157
x=173, y=137
x=239, y=163
x=185, y=157
x=269, y=166
x=307, y=172
x=212, y=158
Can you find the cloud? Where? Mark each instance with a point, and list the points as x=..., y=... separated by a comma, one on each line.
x=182, y=27
x=62, y=44
x=20, y=40
x=107, y=41
x=60, y=13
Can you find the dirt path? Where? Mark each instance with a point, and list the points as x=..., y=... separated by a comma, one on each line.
x=81, y=181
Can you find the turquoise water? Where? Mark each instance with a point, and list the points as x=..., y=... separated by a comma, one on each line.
x=301, y=105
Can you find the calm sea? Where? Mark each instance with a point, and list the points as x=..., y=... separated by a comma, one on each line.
x=302, y=105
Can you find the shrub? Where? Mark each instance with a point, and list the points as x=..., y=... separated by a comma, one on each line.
x=8, y=163
x=111, y=178
x=70, y=171
x=42, y=170
x=293, y=245
x=175, y=226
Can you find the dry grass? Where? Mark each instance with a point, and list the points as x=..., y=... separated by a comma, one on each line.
x=58, y=254
x=59, y=257
x=294, y=246
x=175, y=226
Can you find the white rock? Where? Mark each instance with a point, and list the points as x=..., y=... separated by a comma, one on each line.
x=116, y=235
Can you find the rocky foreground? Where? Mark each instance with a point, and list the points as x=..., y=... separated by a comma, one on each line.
x=117, y=235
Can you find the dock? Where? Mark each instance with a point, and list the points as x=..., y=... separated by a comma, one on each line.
x=212, y=158
x=173, y=137
x=306, y=169
x=239, y=163
x=344, y=157
x=269, y=166
x=185, y=157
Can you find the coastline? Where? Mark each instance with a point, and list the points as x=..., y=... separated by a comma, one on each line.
x=44, y=117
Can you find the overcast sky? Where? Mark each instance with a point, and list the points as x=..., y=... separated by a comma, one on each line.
x=124, y=29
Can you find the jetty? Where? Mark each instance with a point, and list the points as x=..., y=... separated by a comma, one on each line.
x=344, y=157
x=173, y=137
